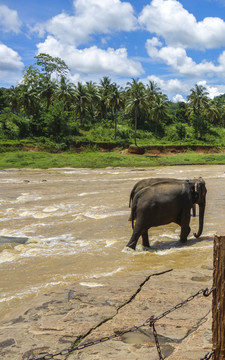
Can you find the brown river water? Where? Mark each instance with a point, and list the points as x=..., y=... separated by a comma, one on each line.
x=58, y=226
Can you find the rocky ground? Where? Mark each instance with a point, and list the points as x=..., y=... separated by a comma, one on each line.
x=82, y=313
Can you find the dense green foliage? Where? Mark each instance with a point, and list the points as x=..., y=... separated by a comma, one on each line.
x=47, y=107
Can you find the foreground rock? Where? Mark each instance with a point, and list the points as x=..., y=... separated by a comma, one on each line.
x=102, y=307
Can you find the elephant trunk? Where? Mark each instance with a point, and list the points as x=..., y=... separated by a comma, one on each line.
x=201, y=220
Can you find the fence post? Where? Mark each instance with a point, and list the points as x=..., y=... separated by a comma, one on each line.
x=218, y=301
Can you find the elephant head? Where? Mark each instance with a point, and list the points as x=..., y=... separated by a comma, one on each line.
x=200, y=199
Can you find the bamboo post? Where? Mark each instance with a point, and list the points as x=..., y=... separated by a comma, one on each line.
x=218, y=301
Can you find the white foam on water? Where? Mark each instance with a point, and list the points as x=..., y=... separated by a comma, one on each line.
x=34, y=214
x=27, y=197
x=110, y=243
x=89, y=193
x=107, y=274
x=31, y=291
x=90, y=284
x=50, y=209
x=183, y=249
x=7, y=256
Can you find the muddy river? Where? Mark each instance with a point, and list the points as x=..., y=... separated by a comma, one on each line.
x=63, y=225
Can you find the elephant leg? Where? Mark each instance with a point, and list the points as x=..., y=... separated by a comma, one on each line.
x=140, y=228
x=133, y=240
x=185, y=228
x=145, y=240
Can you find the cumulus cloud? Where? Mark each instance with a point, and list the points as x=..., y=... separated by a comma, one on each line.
x=169, y=86
x=92, y=60
x=9, y=20
x=179, y=28
x=212, y=90
x=178, y=98
x=177, y=58
x=90, y=17
x=10, y=64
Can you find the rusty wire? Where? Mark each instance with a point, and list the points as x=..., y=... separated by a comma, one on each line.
x=149, y=322
x=208, y=356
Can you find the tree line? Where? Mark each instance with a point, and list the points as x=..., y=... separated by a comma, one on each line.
x=46, y=104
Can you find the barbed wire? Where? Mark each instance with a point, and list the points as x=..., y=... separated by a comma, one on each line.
x=149, y=322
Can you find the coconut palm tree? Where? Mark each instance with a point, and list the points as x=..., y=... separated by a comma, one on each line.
x=159, y=110
x=65, y=92
x=115, y=102
x=135, y=100
x=104, y=90
x=82, y=100
x=94, y=100
x=198, y=99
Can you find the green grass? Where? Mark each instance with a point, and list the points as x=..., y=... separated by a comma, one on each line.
x=94, y=159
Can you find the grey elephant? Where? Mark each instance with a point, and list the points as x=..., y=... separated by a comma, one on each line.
x=151, y=181
x=166, y=202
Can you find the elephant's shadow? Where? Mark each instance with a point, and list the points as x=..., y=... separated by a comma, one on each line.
x=166, y=245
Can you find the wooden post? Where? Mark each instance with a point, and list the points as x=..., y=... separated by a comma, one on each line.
x=218, y=302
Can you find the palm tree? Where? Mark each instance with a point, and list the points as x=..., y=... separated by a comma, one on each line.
x=81, y=101
x=212, y=114
x=94, y=99
x=136, y=99
x=104, y=90
x=13, y=99
x=159, y=108
x=47, y=89
x=65, y=92
x=115, y=102
x=198, y=99
x=152, y=90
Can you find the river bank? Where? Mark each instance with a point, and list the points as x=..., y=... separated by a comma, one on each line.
x=116, y=157
x=67, y=276
x=97, y=309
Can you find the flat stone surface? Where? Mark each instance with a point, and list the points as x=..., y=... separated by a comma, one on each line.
x=55, y=321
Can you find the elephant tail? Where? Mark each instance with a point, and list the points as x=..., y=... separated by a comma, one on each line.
x=131, y=198
x=133, y=213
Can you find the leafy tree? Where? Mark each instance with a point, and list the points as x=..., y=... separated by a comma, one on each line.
x=13, y=126
x=52, y=65
x=56, y=121
x=181, y=115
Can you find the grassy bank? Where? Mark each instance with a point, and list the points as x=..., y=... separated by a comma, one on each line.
x=95, y=159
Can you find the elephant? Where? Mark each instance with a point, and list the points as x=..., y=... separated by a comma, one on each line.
x=166, y=202
x=151, y=181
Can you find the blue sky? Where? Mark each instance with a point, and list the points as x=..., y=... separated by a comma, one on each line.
x=176, y=43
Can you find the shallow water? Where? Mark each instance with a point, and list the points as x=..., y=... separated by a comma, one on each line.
x=63, y=225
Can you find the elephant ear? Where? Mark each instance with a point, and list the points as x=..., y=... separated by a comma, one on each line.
x=200, y=191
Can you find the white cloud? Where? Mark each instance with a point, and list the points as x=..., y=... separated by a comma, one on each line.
x=212, y=90
x=179, y=28
x=178, y=98
x=10, y=65
x=91, y=17
x=92, y=60
x=169, y=86
x=9, y=20
x=177, y=58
